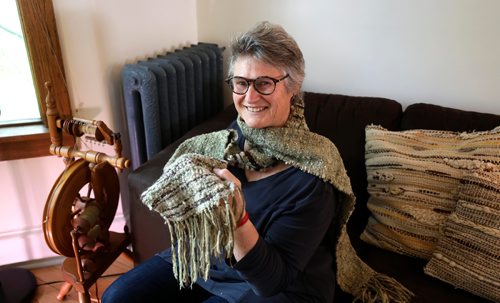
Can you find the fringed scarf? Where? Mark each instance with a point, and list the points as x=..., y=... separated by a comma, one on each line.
x=195, y=202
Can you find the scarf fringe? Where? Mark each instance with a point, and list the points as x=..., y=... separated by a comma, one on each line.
x=197, y=239
x=359, y=279
x=383, y=289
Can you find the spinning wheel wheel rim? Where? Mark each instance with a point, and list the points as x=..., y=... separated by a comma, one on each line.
x=58, y=208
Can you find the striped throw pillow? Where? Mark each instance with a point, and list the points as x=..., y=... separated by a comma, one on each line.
x=413, y=179
x=468, y=253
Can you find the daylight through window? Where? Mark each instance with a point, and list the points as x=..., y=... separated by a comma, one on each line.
x=18, y=102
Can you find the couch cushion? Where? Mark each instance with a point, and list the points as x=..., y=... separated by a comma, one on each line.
x=430, y=116
x=468, y=253
x=413, y=179
x=343, y=119
x=409, y=272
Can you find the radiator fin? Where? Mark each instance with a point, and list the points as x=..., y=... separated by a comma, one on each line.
x=168, y=95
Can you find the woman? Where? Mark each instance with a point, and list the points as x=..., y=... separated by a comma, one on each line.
x=292, y=182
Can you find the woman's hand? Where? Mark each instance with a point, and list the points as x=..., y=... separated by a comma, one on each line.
x=225, y=174
x=245, y=236
x=239, y=208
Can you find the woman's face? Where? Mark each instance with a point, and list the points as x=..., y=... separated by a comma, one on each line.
x=257, y=110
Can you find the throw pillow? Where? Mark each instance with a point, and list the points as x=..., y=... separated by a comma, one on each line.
x=468, y=253
x=413, y=179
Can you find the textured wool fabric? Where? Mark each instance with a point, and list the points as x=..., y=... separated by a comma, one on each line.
x=195, y=204
x=468, y=253
x=413, y=179
x=295, y=145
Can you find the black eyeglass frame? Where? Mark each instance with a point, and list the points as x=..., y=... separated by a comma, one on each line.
x=252, y=81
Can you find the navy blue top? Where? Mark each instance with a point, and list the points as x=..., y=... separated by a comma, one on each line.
x=292, y=260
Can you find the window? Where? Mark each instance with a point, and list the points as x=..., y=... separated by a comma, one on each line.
x=18, y=102
x=42, y=43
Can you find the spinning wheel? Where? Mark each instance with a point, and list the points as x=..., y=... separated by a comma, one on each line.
x=82, y=203
x=60, y=207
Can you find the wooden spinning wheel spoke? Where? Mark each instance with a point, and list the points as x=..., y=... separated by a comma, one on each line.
x=89, y=191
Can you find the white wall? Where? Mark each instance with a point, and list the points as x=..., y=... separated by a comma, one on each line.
x=97, y=39
x=445, y=52
x=24, y=189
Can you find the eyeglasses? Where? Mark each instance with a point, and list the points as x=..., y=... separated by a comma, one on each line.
x=263, y=85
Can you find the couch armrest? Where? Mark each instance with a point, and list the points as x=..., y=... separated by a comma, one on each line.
x=149, y=231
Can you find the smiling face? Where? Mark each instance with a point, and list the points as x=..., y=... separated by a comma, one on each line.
x=257, y=110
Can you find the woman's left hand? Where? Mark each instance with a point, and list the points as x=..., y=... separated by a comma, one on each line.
x=225, y=174
x=245, y=236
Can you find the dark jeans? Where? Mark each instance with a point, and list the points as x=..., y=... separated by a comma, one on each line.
x=153, y=281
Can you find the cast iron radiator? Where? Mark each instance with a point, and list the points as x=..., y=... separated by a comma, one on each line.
x=168, y=95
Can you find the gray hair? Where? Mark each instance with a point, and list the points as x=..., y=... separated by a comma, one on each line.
x=271, y=44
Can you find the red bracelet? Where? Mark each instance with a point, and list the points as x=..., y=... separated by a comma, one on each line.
x=243, y=220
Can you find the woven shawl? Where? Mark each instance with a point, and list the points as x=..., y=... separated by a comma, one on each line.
x=203, y=212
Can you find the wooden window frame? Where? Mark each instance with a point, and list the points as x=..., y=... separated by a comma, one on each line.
x=44, y=52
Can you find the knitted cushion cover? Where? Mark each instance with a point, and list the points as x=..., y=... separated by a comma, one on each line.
x=468, y=254
x=413, y=179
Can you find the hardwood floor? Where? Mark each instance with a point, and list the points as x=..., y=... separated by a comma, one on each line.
x=49, y=281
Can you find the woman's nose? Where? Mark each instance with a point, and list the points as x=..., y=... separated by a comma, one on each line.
x=252, y=93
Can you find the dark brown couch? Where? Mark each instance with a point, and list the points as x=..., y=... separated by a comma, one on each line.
x=342, y=119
